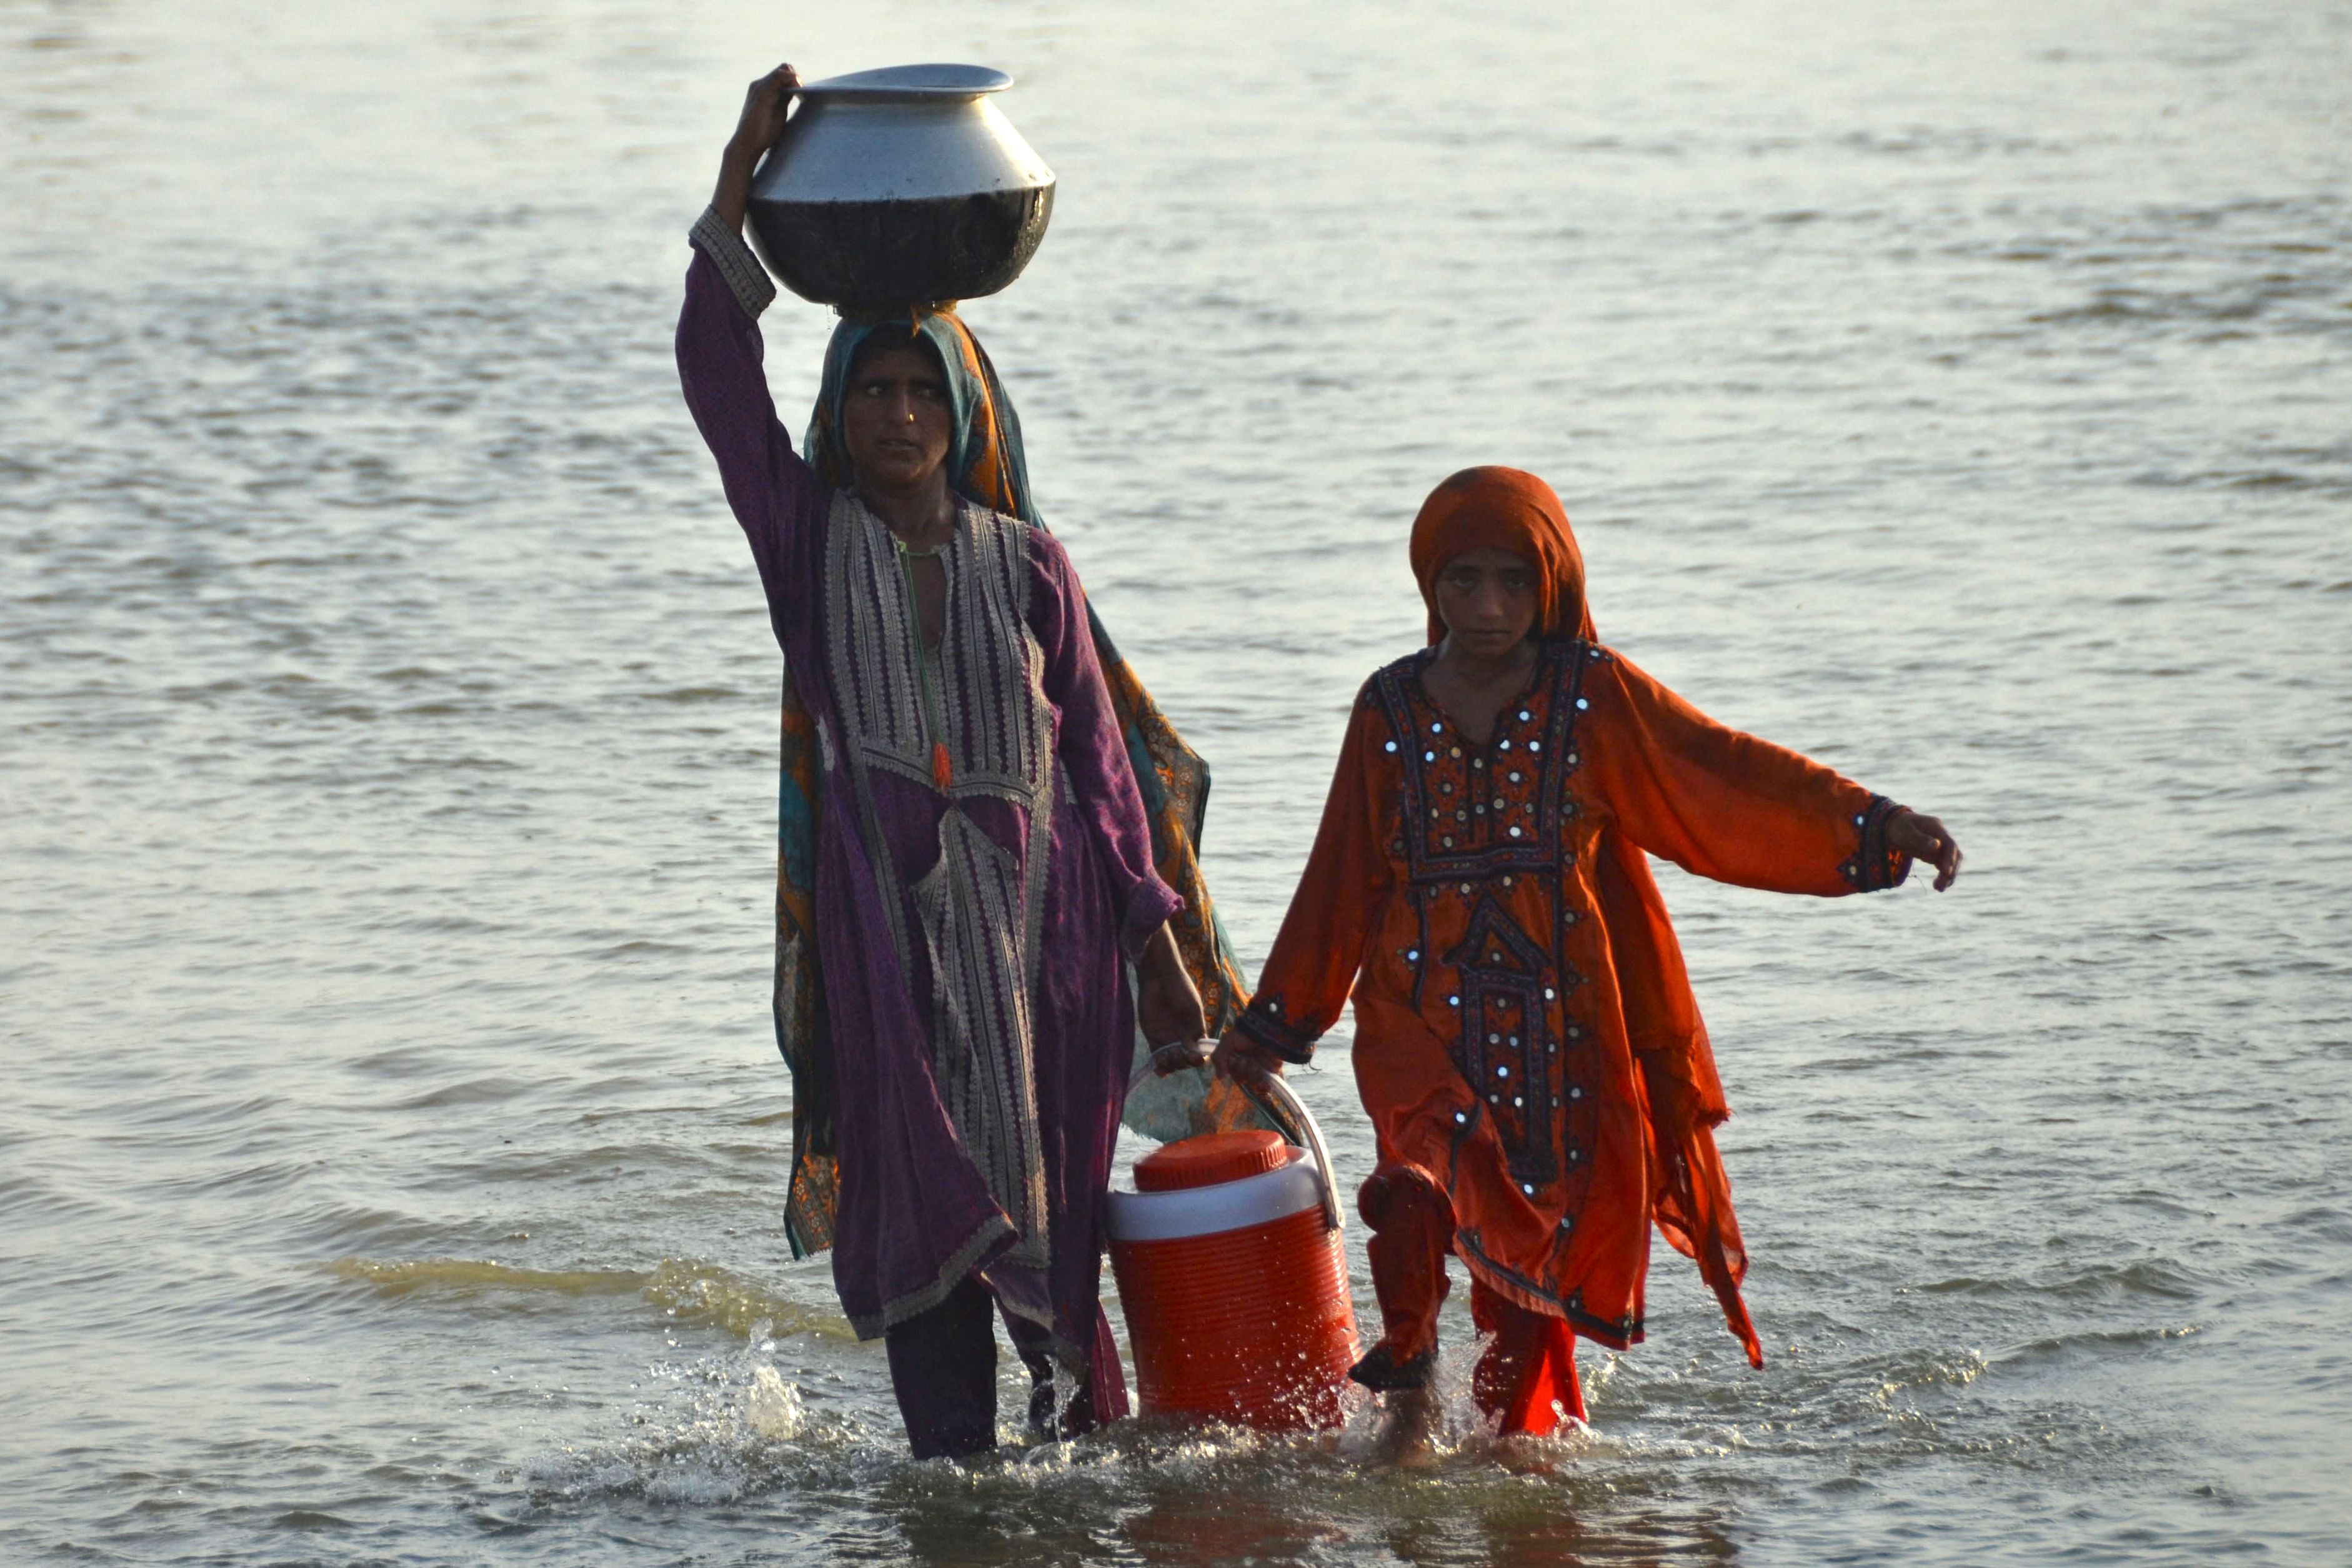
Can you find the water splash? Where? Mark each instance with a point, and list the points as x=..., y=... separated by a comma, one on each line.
x=726, y=1428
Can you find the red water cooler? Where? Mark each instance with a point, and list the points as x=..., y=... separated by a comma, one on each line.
x=1233, y=1279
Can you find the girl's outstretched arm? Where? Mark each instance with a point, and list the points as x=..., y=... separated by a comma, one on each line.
x=1725, y=805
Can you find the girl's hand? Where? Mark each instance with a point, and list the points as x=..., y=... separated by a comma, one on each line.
x=1923, y=838
x=1242, y=1058
x=765, y=105
x=1167, y=1007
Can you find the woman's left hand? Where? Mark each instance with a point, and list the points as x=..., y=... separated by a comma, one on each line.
x=765, y=104
x=1167, y=1007
x=1923, y=838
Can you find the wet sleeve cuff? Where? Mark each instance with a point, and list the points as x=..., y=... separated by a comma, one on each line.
x=1150, y=906
x=746, y=278
x=1876, y=865
x=1264, y=1023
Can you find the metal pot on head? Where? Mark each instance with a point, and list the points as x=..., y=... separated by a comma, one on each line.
x=901, y=187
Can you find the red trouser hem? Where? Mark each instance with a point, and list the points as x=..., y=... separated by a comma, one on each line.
x=1527, y=1378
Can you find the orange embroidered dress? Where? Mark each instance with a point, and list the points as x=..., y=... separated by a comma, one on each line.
x=1525, y=1034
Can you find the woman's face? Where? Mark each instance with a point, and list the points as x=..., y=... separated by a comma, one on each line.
x=1486, y=597
x=895, y=422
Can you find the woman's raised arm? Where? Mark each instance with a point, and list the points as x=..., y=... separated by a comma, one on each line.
x=765, y=105
x=719, y=353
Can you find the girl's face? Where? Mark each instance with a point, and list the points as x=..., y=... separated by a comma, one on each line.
x=895, y=420
x=1486, y=597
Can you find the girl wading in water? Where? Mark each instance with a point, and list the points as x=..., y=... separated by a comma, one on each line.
x=968, y=860
x=1539, y=1083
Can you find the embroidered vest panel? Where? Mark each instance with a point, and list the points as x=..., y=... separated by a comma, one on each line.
x=989, y=671
x=1485, y=836
x=978, y=908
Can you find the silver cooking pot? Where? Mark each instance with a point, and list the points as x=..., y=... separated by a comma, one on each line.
x=899, y=187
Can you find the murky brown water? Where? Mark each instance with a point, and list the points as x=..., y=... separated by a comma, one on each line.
x=390, y=1152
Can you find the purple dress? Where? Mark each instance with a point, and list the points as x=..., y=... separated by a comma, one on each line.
x=972, y=938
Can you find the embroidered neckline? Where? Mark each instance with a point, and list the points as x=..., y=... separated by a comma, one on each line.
x=1535, y=675
x=964, y=508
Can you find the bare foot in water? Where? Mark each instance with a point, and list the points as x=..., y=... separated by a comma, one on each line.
x=1408, y=1422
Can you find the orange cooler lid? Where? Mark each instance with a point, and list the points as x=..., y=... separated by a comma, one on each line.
x=1210, y=1160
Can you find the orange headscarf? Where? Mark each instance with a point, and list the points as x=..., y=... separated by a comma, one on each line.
x=1505, y=508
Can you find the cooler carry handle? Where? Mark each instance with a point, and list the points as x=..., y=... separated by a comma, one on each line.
x=1273, y=1095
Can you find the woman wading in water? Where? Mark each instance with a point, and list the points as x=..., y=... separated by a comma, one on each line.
x=969, y=859
x=1539, y=1083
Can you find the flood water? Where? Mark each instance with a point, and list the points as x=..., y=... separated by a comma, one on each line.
x=391, y=1139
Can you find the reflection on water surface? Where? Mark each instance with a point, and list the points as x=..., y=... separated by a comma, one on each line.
x=394, y=1141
